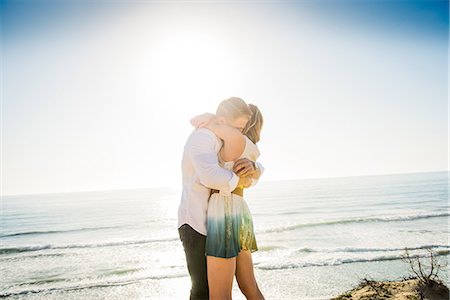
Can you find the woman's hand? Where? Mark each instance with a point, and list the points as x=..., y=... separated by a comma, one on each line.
x=202, y=120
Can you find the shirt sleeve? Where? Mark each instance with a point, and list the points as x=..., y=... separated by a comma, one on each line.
x=201, y=148
x=261, y=171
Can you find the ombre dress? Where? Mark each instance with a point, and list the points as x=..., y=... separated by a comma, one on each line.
x=229, y=222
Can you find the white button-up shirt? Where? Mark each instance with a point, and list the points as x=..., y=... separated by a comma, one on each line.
x=201, y=172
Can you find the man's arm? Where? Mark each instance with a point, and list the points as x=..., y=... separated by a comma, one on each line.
x=201, y=148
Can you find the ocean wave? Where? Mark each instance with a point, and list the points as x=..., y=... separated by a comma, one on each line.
x=24, y=249
x=121, y=272
x=336, y=262
x=355, y=220
x=269, y=248
x=55, y=231
x=88, y=285
x=333, y=250
x=42, y=281
x=14, y=258
x=77, y=246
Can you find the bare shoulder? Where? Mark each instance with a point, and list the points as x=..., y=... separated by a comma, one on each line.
x=234, y=149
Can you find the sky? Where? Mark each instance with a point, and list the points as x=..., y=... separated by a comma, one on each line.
x=98, y=96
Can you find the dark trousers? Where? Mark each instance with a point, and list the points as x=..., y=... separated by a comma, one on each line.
x=194, y=248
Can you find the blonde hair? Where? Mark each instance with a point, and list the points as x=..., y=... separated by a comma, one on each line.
x=233, y=108
x=253, y=128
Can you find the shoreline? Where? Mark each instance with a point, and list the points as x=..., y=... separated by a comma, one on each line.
x=309, y=283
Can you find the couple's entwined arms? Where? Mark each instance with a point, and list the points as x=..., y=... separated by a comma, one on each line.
x=201, y=149
x=234, y=144
x=233, y=139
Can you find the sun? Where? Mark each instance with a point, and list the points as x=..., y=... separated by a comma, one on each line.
x=190, y=65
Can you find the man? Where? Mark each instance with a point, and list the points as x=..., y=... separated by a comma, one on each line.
x=201, y=173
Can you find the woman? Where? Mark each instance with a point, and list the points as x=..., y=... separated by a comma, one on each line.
x=231, y=238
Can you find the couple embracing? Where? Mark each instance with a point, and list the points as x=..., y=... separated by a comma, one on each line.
x=214, y=221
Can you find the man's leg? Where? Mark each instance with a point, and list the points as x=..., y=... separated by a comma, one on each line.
x=194, y=248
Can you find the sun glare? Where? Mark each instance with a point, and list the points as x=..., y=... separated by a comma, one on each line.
x=187, y=59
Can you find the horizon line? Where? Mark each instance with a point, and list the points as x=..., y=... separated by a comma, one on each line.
x=176, y=188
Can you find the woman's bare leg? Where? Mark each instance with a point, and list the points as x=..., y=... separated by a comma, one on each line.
x=246, y=277
x=220, y=277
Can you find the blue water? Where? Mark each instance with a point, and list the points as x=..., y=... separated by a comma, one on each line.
x=317, y=237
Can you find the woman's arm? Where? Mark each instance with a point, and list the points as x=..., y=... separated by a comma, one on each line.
x=224, y=132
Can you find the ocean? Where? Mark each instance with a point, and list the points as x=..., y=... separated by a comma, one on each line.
x=317, y=238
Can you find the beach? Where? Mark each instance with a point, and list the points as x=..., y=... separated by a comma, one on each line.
x=317, y=238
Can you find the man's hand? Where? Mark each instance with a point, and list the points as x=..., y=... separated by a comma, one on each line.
x=244, y=167
x=244, y=182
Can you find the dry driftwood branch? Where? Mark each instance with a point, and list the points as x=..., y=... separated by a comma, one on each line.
x=423, y=272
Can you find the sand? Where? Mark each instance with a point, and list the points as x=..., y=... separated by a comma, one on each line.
x=408, y=289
